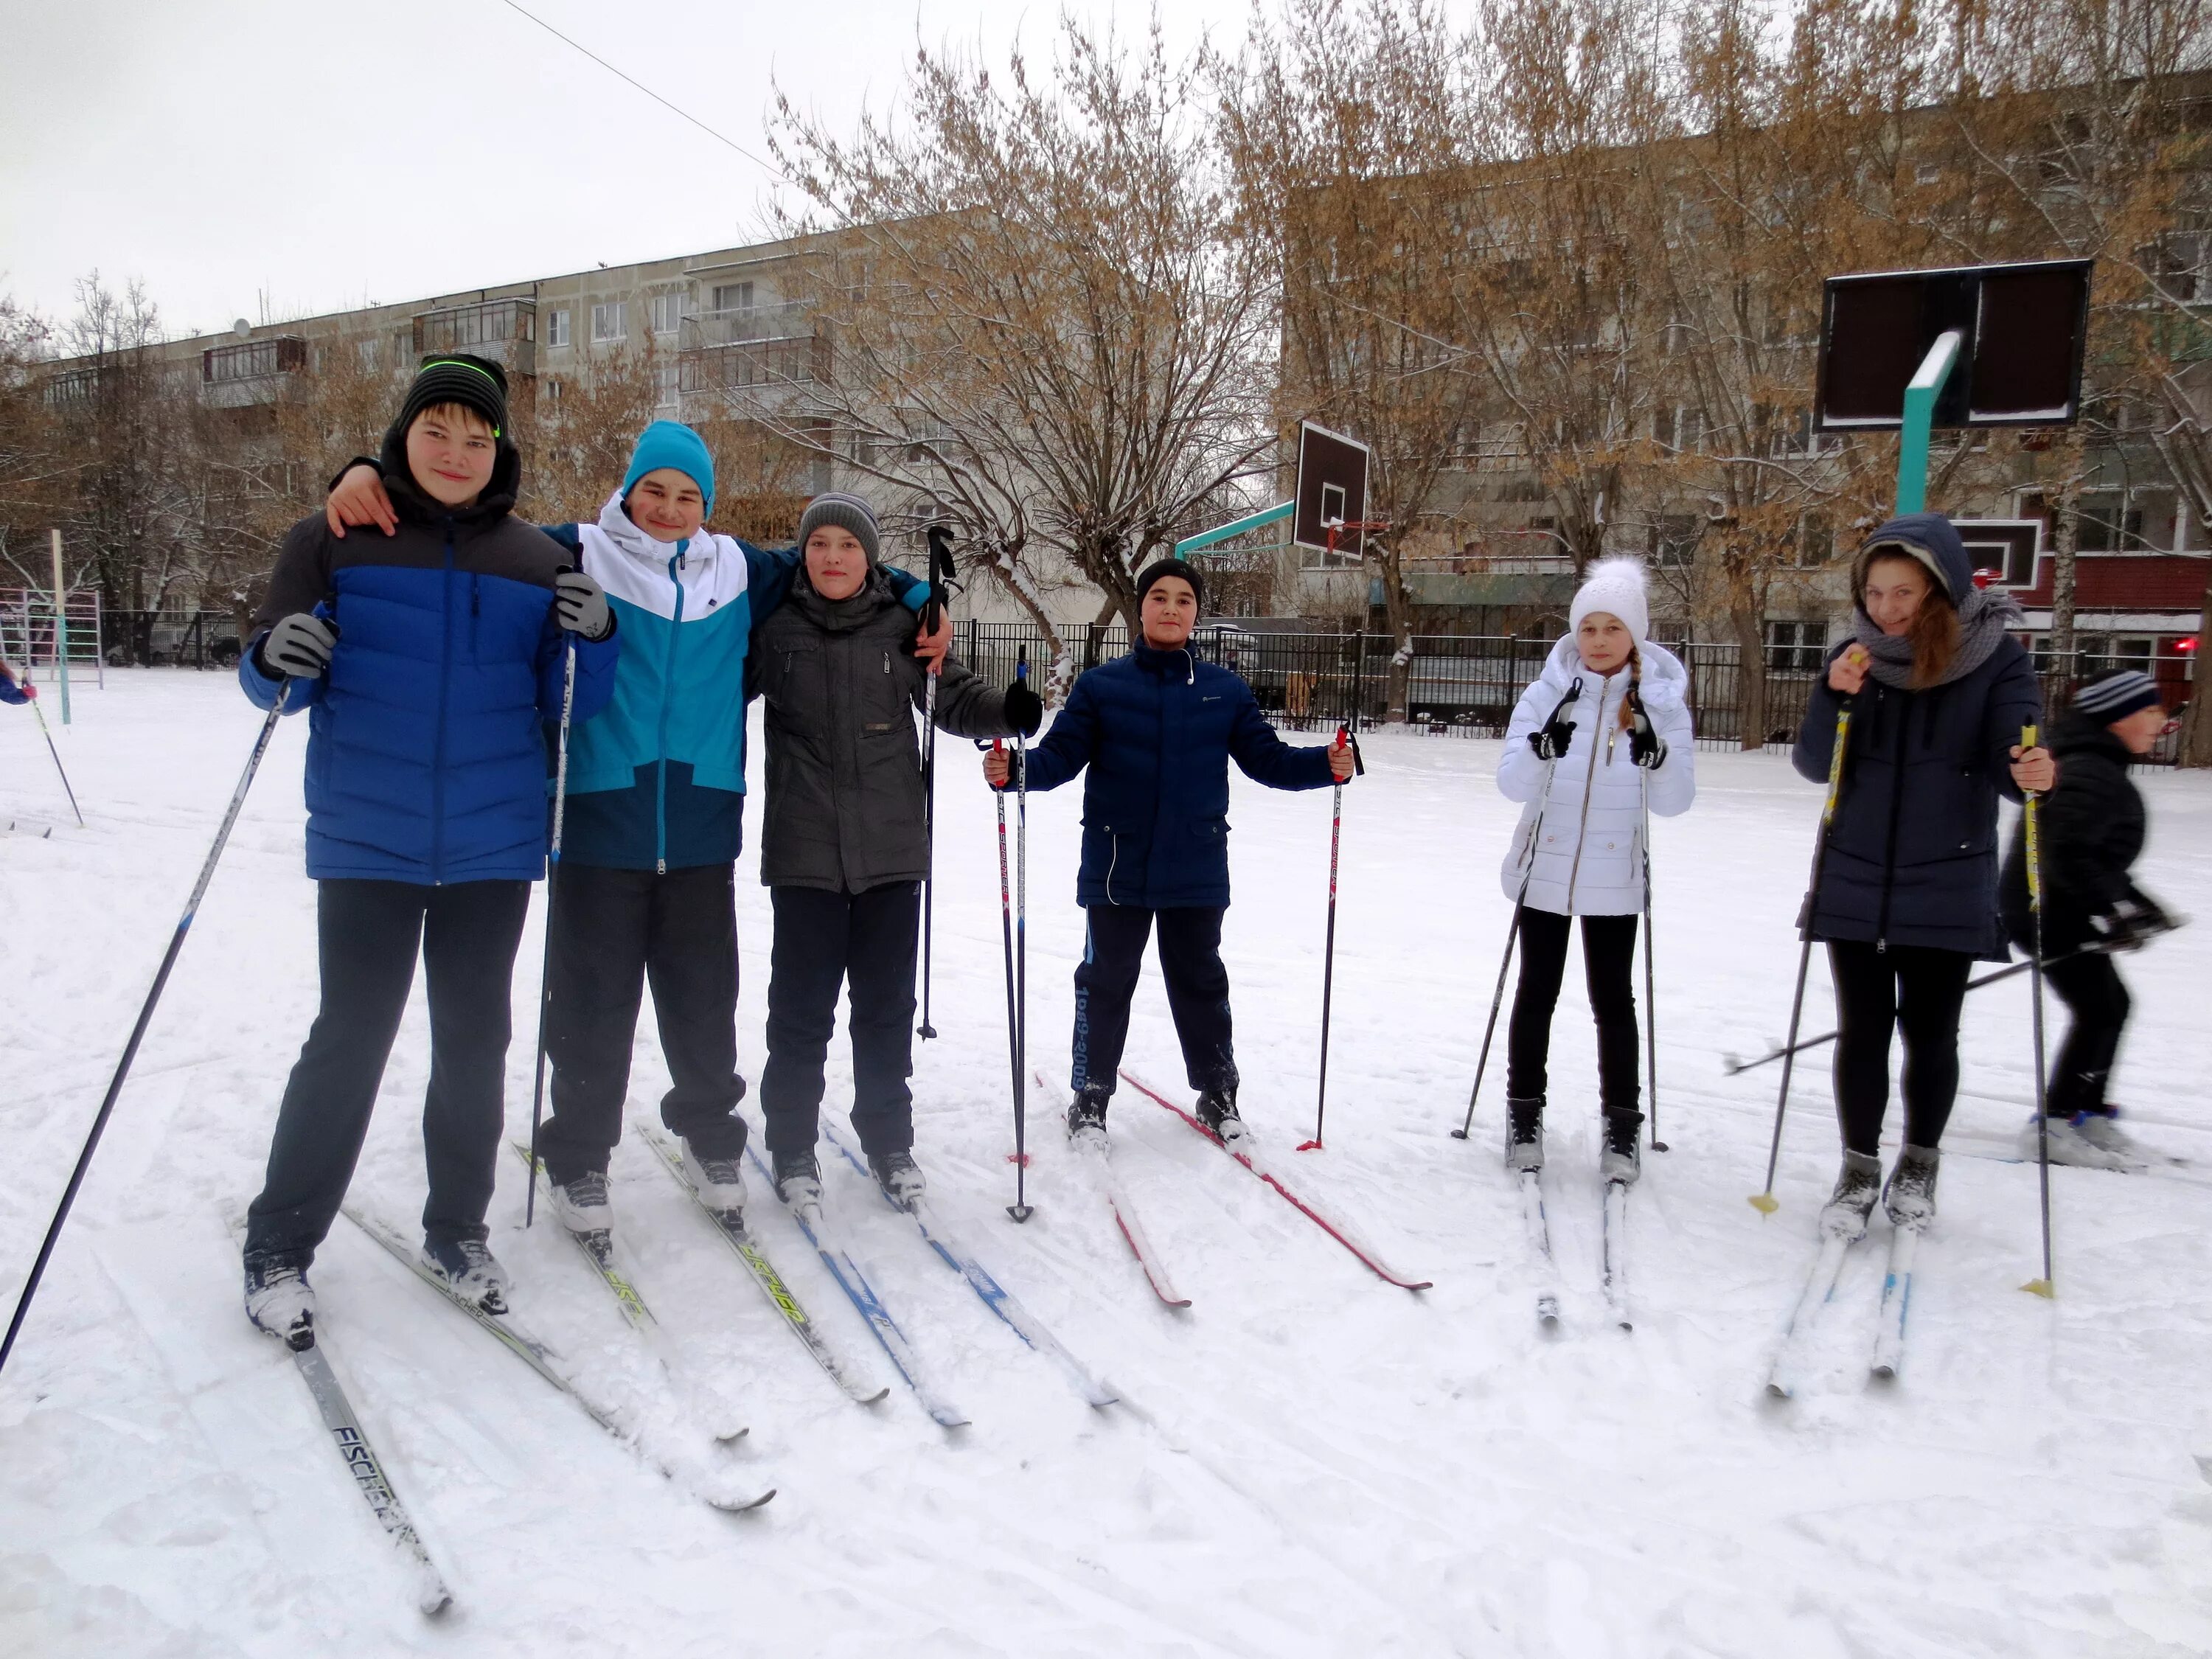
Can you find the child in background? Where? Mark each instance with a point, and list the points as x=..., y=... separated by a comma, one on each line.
x=2092, y=832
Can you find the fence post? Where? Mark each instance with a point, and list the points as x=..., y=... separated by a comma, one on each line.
x=61, y=627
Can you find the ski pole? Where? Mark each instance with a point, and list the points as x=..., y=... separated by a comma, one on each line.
x=1019, y=1209
x=933, y=612
x=145, y=1017
x=1651, y=999
x=1328, y=947
x=2038, y=1286
x=1513, y=931
x=1735, y=1066
x=1007, y=940
x=552, y=881
x=47, y=731
x=1764, y=1201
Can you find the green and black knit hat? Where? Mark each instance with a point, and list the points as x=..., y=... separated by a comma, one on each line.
x=456, y=378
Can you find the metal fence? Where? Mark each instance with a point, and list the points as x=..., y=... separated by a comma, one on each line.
x=1460, y=685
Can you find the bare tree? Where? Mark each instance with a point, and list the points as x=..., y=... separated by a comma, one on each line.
x=1044, y=329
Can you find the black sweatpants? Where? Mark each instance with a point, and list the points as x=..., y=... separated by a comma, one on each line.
x=612, y=930
x=1917, y=989
x=823, y=941
x=1609, y=963
x=367, y=935
x=1198, y=994
x=2089, y=985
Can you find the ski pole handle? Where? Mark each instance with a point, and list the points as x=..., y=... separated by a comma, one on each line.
x=1344, y=738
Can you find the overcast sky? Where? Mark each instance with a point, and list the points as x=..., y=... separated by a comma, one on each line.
x=312, y=157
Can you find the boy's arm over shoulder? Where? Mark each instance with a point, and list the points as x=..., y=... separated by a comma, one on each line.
x=965, y=706
x=1263, y=756
x=768, y=573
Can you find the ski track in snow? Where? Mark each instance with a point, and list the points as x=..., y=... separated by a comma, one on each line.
x=1309, y=1462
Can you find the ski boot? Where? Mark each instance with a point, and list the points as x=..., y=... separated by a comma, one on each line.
x=899, y=1176
x=798, y=1178
x=1910, y=1196
x=1844, y=1215
x=1086, y=1117
x=581, y=1204
x=1524, y=1134
x=1619, y=1159
x=1216, y=1111
x=719, y=1182
x=2100, y=1127
x=467, y=1264
x=2066, y=1145
x=279, y=1299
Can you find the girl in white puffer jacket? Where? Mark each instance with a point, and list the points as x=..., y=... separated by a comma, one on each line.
x=1603, y=735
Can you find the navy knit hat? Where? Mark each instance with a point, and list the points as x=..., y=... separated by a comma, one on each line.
x=846, y=513
x=473, y=382
x=1159, y=568
x=2115, y=696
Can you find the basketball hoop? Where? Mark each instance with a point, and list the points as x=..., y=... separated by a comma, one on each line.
x=1333, y=526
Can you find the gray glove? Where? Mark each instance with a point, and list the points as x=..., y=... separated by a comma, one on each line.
x=582, y=604
x=298, y=648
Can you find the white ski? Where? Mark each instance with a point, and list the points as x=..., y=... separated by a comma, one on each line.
x=1819, y=1284
x=1538, y=1230
x=547, y=1364
x=1896, y=1300
x=1616, y=1253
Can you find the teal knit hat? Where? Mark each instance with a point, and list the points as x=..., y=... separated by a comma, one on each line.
x=672, y=444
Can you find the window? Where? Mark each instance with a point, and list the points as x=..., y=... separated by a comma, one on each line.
x=2107, y=524
x=667, y=386
x=1927, y=172
x=667, y=311
x=1795, y=647
x=1674, y=541
x=733, y=296
x=610, y=322
x=556, y=327
x=1816, y=540
x=365, y=352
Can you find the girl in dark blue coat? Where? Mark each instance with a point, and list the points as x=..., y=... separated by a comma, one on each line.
x=1906, y=899
x=1156, y=729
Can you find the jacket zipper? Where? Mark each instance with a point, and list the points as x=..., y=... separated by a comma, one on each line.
x=438, y=740
x=667, y=687
x=1589, y=785
x=1896, y=804
x=476, y=610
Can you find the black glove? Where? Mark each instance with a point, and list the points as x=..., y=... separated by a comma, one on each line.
x=2129, y=924
x=582, y=604
x=1550, y=740
x=1025, y=709
x=298, y=648
x=1644, y=747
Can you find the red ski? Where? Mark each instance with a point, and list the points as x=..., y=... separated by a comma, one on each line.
x=1245, y=1151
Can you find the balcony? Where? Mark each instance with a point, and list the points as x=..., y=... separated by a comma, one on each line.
x=503, y=332
x=785, y=320
x=250, y=372
x=769, y=362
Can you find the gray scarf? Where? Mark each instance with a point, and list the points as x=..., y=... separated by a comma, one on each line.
x=1983, y=621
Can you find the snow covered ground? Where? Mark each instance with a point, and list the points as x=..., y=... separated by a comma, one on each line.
x=1311, y=1462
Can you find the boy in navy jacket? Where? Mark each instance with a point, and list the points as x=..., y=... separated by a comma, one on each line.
x=1156, y=729
x=431, y=660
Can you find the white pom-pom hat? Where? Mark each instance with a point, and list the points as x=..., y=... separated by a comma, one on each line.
x=1615, y=586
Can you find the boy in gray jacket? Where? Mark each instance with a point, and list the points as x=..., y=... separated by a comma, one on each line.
x=844, y=842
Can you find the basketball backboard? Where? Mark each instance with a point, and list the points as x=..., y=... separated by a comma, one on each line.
x=1332, y=489
x=2023, y=328
x=2007, y=546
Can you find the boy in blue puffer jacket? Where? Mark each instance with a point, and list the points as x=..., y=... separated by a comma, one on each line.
x=431, y=660
x=1157, y=729
x=644, y=889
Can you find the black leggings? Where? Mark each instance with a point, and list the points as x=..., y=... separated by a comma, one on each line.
x=2090, y=987
x=1916, y=989
x=1608, y=958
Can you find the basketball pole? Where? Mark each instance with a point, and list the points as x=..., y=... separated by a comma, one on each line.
x=1920, y=395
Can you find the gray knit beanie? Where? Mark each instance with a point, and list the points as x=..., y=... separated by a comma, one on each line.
x=847, y=513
